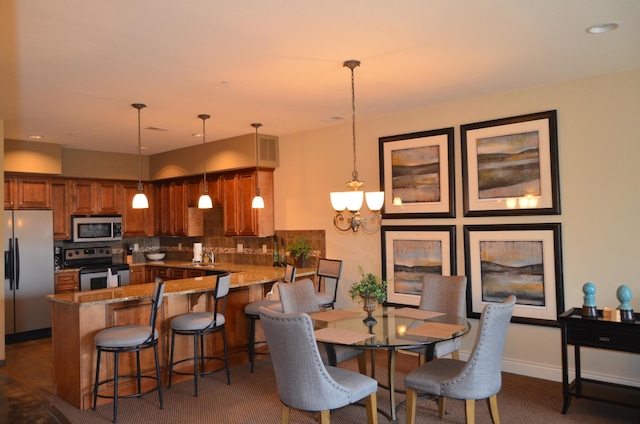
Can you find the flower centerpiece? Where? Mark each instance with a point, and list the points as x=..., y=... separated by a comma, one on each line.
x=370, y=290
x=299, y=249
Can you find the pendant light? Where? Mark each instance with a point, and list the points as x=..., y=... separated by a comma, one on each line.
x=140, y=201
x=205, y=201
x=353, y=197
x=258, y=201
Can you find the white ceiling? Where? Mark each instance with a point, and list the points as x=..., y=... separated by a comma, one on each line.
x=71, y=68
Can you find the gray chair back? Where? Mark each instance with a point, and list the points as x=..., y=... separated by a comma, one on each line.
x=156, y=301
x=289, y=273
x=299, y=296
x=223, y=285
x=302, y=380
x=329, y=271
x=481, y=377
x=444, y=293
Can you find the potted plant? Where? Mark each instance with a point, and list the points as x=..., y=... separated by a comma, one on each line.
x=370, y=290
x=299, y=249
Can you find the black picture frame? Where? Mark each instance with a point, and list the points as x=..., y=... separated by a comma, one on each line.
x=418, y=168
x=411, y=251
x=526, y=260
x=510, y=166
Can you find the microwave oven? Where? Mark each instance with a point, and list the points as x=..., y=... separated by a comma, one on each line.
x=96, y=228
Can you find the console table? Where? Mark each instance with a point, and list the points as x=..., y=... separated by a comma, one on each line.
x=597, y=333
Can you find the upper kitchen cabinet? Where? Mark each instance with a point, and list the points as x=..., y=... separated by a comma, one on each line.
x=27, y=192
x=238, y=189
x=60, y=204
x=173, y=216
x=95, y=198
x=194, y=190
x=136, y=222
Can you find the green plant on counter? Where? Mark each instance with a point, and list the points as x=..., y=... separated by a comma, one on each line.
x=299, y=248
x=369, y=286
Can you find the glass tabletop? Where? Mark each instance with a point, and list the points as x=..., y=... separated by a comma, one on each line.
x=395, y=327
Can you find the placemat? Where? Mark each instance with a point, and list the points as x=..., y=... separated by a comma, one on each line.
x=415, y=313
x=435, y=329
x=333, y=315
x=340, y=336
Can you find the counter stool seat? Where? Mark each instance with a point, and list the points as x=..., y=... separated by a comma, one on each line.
x=252, y=311
x=198, y=325
x=129, y=338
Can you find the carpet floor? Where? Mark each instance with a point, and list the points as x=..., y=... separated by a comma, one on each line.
x=252, y=398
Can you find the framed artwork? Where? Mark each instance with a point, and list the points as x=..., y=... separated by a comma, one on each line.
x=416, y=174
x=411, y=252
x=520, y=259
x=510, y=166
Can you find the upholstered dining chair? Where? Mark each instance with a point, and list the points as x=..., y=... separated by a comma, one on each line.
x=480, y=377
x=198, y=325
x=302, y=380
x=300, y=297
x=328, y=273
x=446, y=294
x=251, y=311
x=130, y=338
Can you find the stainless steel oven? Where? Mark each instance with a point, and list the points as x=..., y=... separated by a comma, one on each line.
x=97, y=278
x=96, y=265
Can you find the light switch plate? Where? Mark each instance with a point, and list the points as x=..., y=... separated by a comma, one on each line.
x=264, y=248
x=240, y=248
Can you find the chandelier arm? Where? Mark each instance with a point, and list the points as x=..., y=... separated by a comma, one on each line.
x=376, y=217
x=338, y=219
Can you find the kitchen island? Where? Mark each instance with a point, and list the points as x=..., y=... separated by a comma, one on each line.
x=78, y=316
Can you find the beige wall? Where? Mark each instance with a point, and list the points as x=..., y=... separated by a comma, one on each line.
x=599, y=179
x=29, y=156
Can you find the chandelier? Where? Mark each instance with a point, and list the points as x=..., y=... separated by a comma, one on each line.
x=352, y=198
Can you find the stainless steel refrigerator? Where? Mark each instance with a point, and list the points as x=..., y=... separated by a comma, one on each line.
x=28, y=273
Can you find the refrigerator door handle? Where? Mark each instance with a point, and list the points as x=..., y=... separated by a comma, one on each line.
x=17, y=269
x=8, y=264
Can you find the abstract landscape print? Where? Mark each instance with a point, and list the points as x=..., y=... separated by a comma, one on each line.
x=413, y=260
x=509, y=166
x=416, y=174
x=512, y=267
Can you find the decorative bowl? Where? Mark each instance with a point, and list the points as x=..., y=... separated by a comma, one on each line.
x=155, y=256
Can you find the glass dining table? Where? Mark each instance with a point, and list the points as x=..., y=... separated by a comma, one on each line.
x=394, y=329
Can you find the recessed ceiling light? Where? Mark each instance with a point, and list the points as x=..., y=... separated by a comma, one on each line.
x=196, y=135
x=35, y=137
x=144, y=148
x=333, y=118
x=225, y=83
x=156, y=129
x=602, y=28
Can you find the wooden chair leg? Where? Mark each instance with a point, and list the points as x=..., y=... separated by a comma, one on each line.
x=493, y=409
x=362, y=364
x=412, y=398
x=371, y=402
x=422, y=359
x=455, y=355
x=442, y=406
x=470, y=411
x=323, y=417
x=286, y=412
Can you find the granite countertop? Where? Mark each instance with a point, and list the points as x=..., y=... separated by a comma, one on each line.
x=241, y=276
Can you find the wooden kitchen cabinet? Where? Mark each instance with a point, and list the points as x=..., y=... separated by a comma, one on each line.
x=173, y=215
x=238, y=190
x=136, y=222
x=27, y=192
x=137, y=275
x=95, y=197
x=65, y=282
x=60, y=204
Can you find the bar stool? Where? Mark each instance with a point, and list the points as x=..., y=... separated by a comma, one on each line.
x=130, y=338
x=252, y=311
x=198, y=325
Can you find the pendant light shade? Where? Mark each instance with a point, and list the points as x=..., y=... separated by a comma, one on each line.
x=140, y=200
x=205, y=200
x=258, y=201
